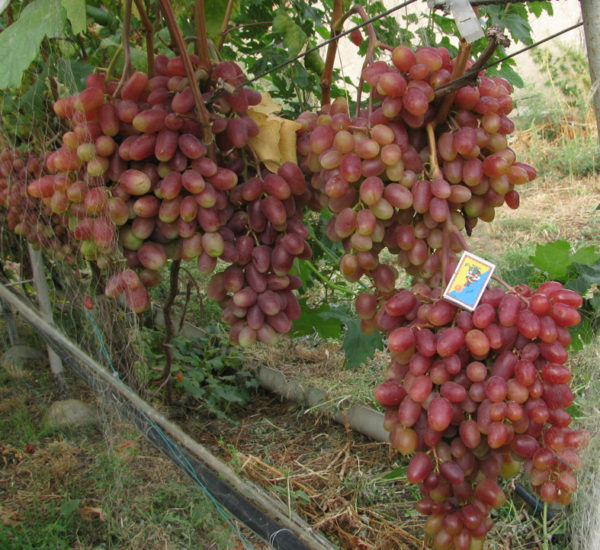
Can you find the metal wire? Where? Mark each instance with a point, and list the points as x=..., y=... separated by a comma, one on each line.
x=319, y=46
x=441, y=4
x=467, y=77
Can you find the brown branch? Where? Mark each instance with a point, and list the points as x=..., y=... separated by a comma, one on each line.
x=201, y=35
x=496, y=39
x=149, y=30
x=169, y=332
x=126, y=48
x=225, y=24
x=202, y=112
x=433, y=160
x=327, y=75
x=459, y=68
x=510, y=288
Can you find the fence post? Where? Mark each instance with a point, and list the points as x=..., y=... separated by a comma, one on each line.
x=590, y=11
x=41, y=288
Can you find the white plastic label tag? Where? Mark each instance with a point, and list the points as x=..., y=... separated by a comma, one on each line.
x=469, y=281
x=466, y=20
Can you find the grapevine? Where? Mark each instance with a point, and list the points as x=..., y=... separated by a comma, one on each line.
x=159, y=167
x=471, y=396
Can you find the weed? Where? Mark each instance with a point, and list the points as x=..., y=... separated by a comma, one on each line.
x=558, y=128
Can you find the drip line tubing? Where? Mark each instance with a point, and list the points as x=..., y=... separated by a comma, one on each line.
x=248, y=503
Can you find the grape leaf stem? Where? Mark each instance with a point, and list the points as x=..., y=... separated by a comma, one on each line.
x=327, y=282
x=149, y=31
x=126, y=48
x=327, y=75
x=169, y=332
x=458, y=81
x=202, y=35
x=460, y=65
x=225, y=24
x=202, y=112
x=434, y=168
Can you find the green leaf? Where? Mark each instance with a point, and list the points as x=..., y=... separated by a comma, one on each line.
x=586, y=256
x=22, y=39
x=294, y=40
x=518, y=27
x=322, y=320
x=358, y=346
x=589, y=273
x=552, y=258
x=506, y=70
x=76, y=14
x=281, y=23
x=314, y=62
x=214, y=13
x=537, y=7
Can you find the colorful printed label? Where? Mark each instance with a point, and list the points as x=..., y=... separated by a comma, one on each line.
x=469, y=281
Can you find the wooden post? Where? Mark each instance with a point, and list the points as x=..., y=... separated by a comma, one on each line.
x=590, y=11
x=41, y=288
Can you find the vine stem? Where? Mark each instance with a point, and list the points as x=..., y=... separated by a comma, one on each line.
x=373, y=42
x=326, y=281
x=460, y=65
x=202, y=112
x=496, y=38
x=201, y=36
x=169, y=332
x=149, y=30
x=225, y=24
x=433, y=160
x=126, y=48
x=327, y=76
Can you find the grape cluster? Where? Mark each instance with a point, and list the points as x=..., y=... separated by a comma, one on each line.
x=35, y=220
x=487, y=393
x=379, y=176
x=136, y=178
x=470, y=395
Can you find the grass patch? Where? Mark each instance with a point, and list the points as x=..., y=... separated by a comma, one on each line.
x=92, y=488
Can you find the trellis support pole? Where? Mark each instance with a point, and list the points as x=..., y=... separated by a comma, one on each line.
x=41, y=289
x=590, y=11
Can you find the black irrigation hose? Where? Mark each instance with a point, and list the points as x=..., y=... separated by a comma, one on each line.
x=533, y=502
x=246, y=512
x=220, y=492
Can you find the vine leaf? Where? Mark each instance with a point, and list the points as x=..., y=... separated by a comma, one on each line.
x=22, y=39
x=214, y=13
x=358, y=347
x=326, y=322
x=552, y=258
x=275, y=143
x=76, y=14
x=555, y=258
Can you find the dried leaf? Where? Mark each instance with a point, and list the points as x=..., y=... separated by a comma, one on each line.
x=9, y=517
x=88, y=513
x=267, y=106
x=276, y=139
x=287, y=142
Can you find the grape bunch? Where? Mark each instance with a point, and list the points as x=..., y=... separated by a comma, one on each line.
x=138, y=178
x=35, y=220
x=470, y=395
x=394, y=183
x=478, y=395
